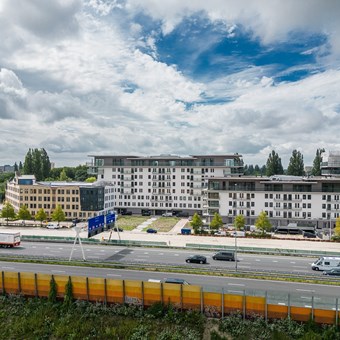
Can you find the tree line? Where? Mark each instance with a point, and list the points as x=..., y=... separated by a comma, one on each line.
x=296, y=165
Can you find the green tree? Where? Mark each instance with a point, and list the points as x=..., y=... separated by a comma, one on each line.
x=80, y=173
x=216, y=223
x=68, y=297
x=196, y=223
x=316, y=170
x=45, y=164
x=37, y=164
x=20, y=166
x=7, y=211
x=239, y=222
x=274, y=165
x=52, y=295
x=91, y=180
x=63, y=176
x=16, y=168
x=263, y=222
x=41, y=215
x=24, y=214
x=28, y=163
x=296, y=166
x=337, y=227
x=58, y=214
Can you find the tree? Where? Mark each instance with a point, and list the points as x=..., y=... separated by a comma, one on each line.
x=63, y=176
x=24, y=214
x=16, y=168
x=45, y=164
x=28, y=163
x=316, y=170
x=8, y=211
x=296, y=166
x=41, y=215
x=263, y=222
x=58, y=214
x=68, y=297
x=239, y=222
x=337, y=227
x=20, y=166
x=274, y=165
x=80, y=173
x=91, y=180
x=196, y=223
x=216, y=223
x=52, y=295
x=37, y=164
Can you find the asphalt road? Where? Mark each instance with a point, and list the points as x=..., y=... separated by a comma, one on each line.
x=166, y=256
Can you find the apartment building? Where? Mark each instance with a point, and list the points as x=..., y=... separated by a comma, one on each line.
x=77, y=199
x=285, y=199
x=162, y=183
x=330, y=165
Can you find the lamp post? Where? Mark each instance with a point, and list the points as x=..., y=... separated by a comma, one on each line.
x=330, y=227
x=235, y=234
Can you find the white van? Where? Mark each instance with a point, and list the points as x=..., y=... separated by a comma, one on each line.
x=326, y=263
x=52, y=225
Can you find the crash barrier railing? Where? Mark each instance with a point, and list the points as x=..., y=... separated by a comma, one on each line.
x=271, y=305
x=276, y=251
x=93, y=241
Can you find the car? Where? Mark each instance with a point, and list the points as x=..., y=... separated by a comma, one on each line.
x=167, y=214
x=52, y=226
x=333, y=272
x=196, y=259
x=146, y=212
x=118, y=229
x=224, y=256
x=176, y=281
x=126, y=213
x=151, y=231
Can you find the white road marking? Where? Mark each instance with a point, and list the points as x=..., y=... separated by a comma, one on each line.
x=275, y=261
x=9, y=268
x=308, y=306
x=293, y=262
x=236, y=284
x=161, y=254
x=257, y=260
x=114, y=275
x=281, y=303
x=61, y=248
x=305, y=290
x=235, y=291
x=58, y=271
x=176, y=254
x=146, y=252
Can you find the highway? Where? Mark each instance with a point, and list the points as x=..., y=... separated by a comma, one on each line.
x=164, y=256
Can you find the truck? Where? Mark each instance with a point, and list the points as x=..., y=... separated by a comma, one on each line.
x=326, y=263
x=9, y=240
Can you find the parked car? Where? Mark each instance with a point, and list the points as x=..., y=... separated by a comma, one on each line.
x=167, y=214
x=196, y=259
x=126, y=213
x=53, y=226
x=333, y=272
x=224, y=256
x=176, y=281
x=118, y=229
x=151, y=231
x=146, y=212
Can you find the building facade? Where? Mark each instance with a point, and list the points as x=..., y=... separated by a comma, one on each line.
x=285, y=199
x=77, y=199
x=162, y=183
x=330, y=165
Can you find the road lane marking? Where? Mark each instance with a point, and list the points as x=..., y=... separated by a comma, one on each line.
x=275, y=261
x=293, y=262
x=160, y=253
x=236, y=284
x=115, y=275
x=235, y=291
x=176, y=254
x=305, y=290
x=281, y=303
x=10, y=268
x=258, y=260
x=146, y=252
x=58, y=271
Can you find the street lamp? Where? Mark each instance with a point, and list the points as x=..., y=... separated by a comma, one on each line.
x=235, y=234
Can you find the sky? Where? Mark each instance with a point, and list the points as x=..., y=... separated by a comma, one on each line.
x=180, y=77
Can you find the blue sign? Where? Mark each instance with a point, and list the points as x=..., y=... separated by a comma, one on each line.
x=95, y=225
x=110, y=219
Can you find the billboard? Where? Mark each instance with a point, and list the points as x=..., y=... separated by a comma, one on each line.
x=110, y=220
x=95, y=225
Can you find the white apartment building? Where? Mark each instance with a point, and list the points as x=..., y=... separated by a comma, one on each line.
x=77, y=199
x=162, y=183
x=285, y=199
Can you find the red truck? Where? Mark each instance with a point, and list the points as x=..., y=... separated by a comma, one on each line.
x=9, y=240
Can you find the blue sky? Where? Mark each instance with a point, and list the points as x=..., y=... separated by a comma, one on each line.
x=148, y=77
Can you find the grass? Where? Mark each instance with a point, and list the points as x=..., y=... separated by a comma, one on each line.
x=130, y=222
x=164, y=224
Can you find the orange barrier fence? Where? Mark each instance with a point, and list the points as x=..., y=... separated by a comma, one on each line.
x=212, y=304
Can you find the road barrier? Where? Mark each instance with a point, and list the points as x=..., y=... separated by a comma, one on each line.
x=270, y=305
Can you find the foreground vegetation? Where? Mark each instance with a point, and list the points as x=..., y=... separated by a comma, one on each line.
x=22, y=318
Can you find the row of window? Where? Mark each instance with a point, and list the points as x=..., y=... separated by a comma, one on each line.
x=160, y=205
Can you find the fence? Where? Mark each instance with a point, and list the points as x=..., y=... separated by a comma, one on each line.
x=144, y=294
